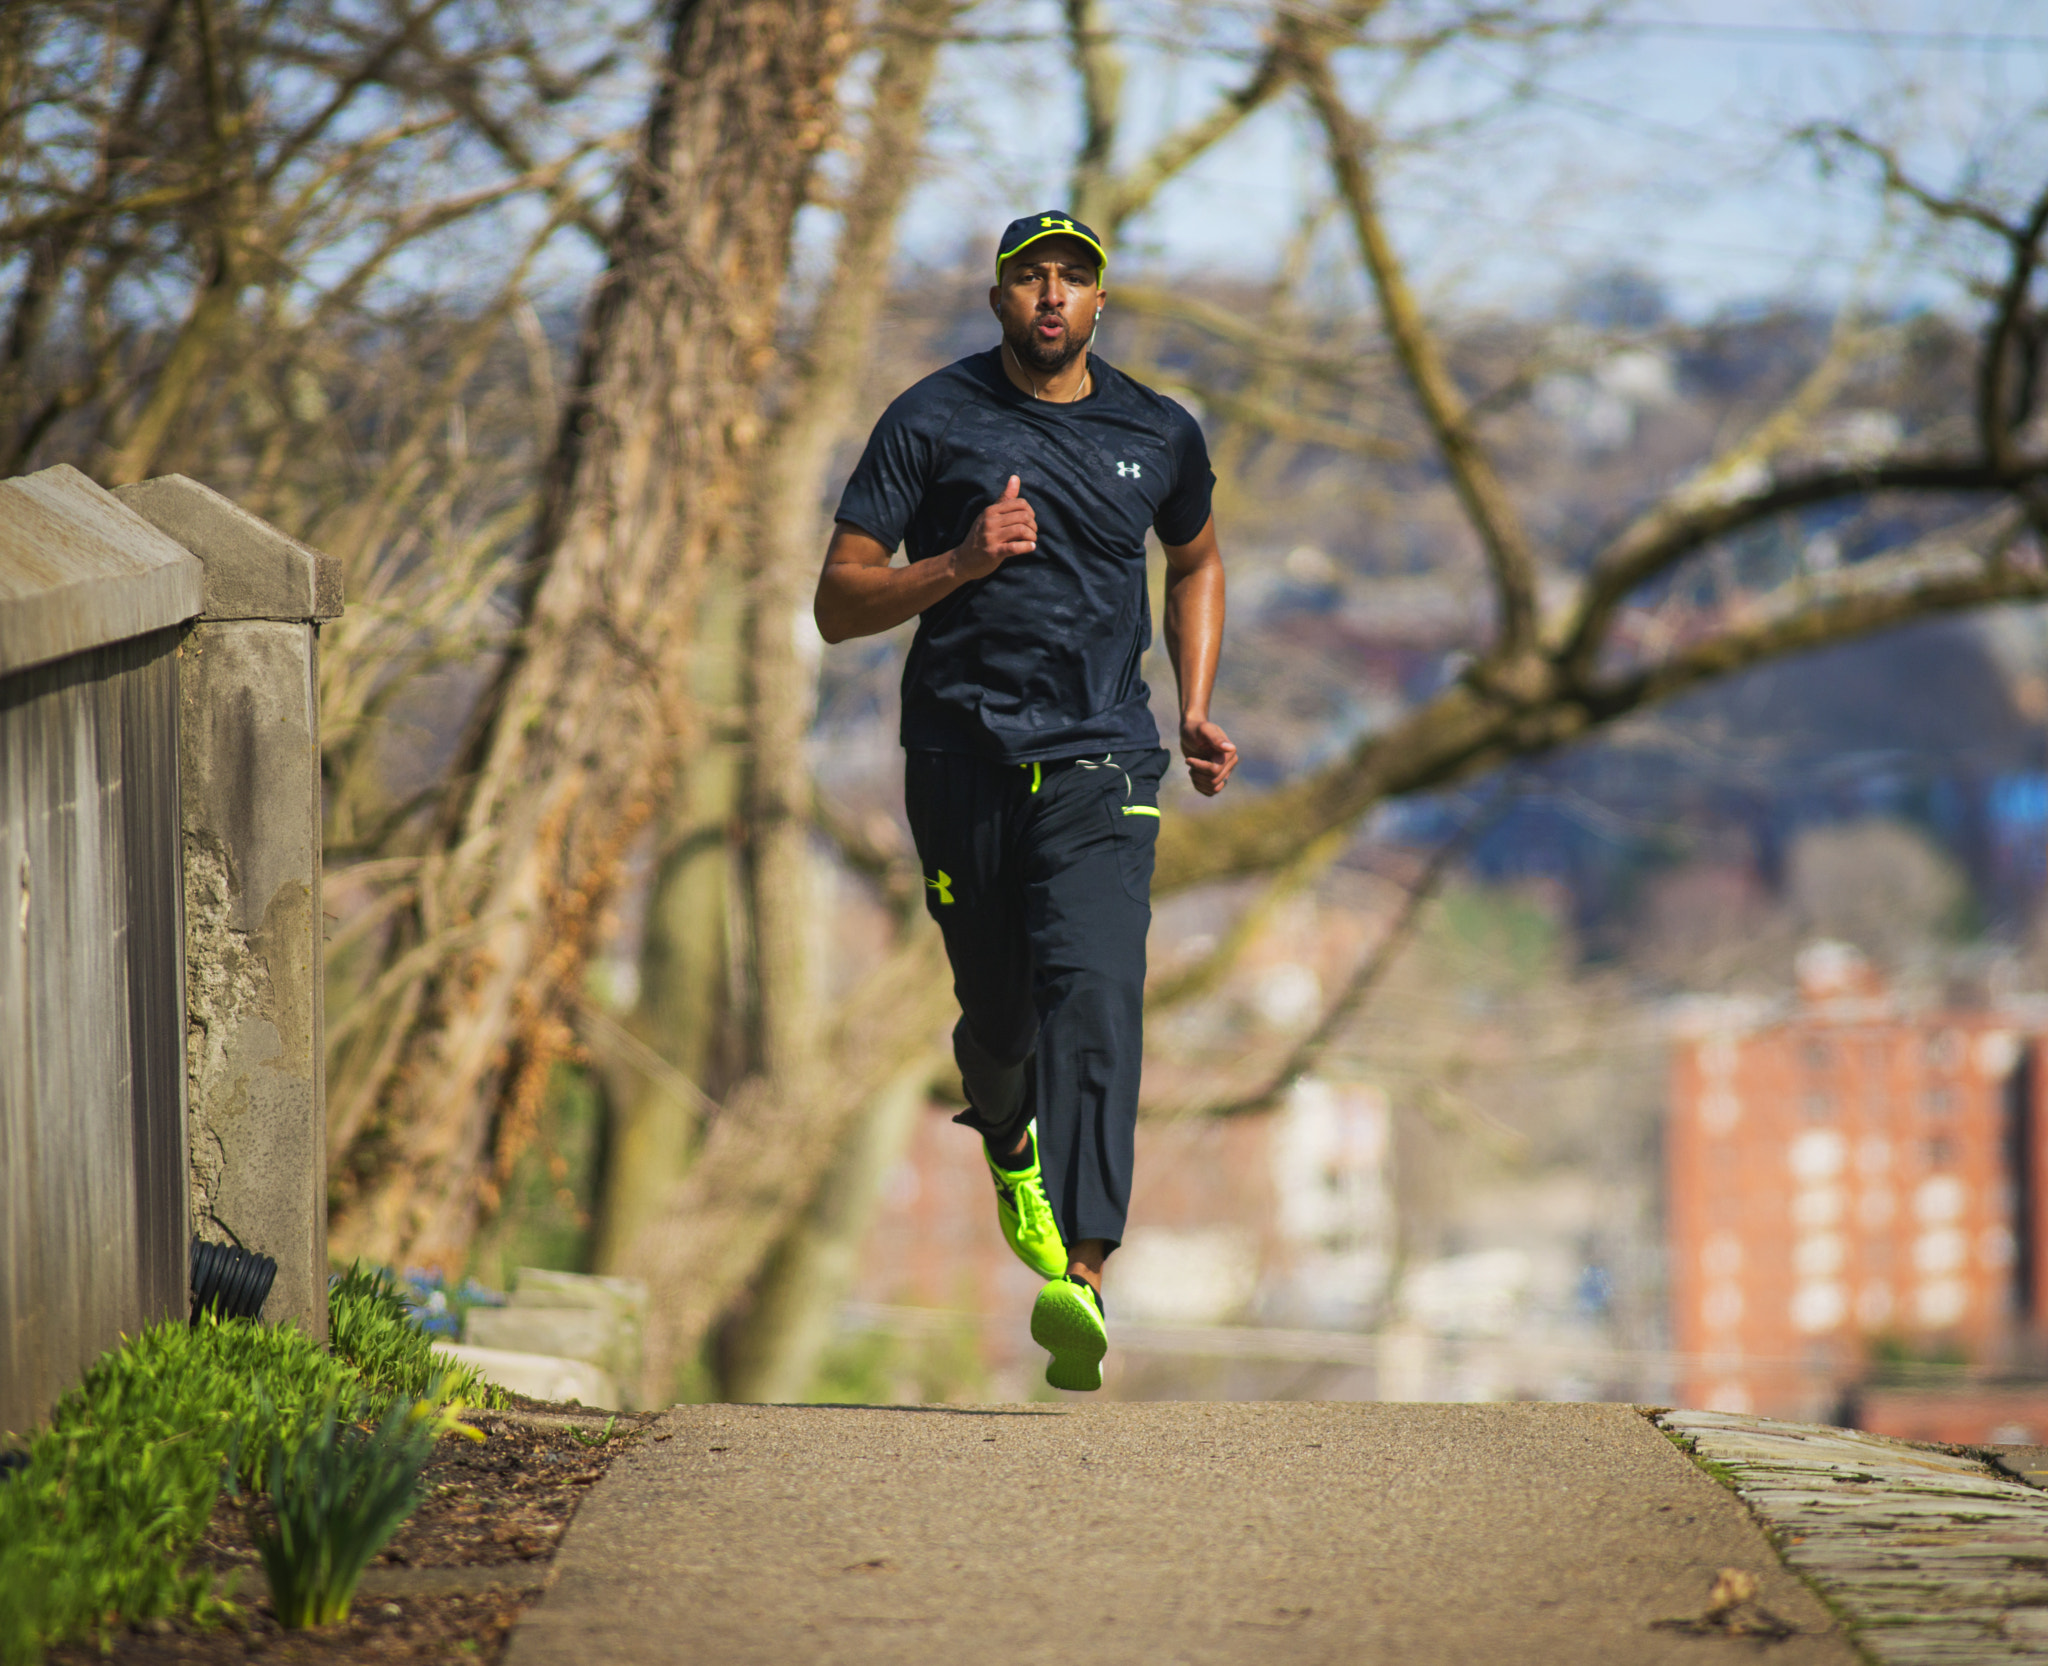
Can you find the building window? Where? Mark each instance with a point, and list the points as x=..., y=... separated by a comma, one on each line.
x=1945, y=1050
x=1940, y=1153
x=1818, y=1105
x=1940, y=1099
x=1817, y=1056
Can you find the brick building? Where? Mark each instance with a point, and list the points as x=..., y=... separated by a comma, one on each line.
x=1846, y=1172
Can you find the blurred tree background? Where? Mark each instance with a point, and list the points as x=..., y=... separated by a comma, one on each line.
x=558, y=327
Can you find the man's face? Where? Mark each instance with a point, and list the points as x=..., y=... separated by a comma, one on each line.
x=1046, y=299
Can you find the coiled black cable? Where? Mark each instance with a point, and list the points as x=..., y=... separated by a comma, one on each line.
x=229, y=1281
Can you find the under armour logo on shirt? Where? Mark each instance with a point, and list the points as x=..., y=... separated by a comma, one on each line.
x=1128, y=471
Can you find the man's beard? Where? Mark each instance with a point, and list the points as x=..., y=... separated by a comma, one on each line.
x=1046, y=361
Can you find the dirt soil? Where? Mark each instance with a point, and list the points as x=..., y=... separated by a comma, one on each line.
x=452, y=1582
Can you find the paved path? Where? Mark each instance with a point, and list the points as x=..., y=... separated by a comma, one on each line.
x=1154, y=1534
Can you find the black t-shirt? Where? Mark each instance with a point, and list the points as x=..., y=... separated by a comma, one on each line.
x=1039, y=660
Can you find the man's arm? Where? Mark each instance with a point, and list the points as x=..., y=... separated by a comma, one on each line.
x=1194, y=642
x=860, y=594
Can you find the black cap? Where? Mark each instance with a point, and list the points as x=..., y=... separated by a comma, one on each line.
x=1055, y=222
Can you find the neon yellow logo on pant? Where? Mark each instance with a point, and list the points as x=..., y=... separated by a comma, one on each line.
x=942, y=885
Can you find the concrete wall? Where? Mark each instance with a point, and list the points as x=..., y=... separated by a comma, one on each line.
x=249, y=755
x=92, y=1112
x=159, y=913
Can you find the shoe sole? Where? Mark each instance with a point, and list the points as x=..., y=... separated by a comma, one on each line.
x=1065, y=1326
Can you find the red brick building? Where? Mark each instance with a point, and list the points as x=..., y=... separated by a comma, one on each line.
x=1844, y=1171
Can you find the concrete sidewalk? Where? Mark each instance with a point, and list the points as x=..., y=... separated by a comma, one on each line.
x=1156, y=1533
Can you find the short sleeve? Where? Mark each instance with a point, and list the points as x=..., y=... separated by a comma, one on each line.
x=889, y=482
x=1185, y=510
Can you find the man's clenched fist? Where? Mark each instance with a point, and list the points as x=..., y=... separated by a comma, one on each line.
x=1005, y=528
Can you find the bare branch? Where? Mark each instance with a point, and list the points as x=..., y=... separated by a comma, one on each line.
x=1730, y=476
x=1206, y=974
x=1686, y=523
x=1940, y=577
x=1469, y=728
x=374, y=66
x=1998, y=417
x=1302, y=1057
x=1102, y=77
x=605, y=1036
x=428, y=218
x=170, y=195
x=1897, y=180
x=457, y=84
x=1510, y=557
x=1335, y=366
x=1278, y=420
x=1998, y=413
x=1108, y=202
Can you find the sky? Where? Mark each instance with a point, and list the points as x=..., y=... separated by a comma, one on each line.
x=1659, y=141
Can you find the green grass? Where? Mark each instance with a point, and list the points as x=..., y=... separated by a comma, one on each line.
x=96, y=1529
x=602, y=1438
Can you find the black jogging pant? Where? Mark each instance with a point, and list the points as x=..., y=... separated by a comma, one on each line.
x=1040, y=877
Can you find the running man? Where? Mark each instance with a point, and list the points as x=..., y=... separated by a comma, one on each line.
x=1020, y=482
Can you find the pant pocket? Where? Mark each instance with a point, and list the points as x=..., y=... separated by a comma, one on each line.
x=1134, y=810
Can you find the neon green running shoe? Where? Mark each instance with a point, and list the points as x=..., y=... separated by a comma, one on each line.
x=1024, y=1213
x=1066, y=1321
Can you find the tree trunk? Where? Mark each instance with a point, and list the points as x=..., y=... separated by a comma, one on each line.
x=687, y=1010
x=775, y=1350
x=739, y=1200
x=782, y=690
x=578, y=740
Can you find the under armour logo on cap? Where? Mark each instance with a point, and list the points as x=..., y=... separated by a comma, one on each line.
x=1128, y=471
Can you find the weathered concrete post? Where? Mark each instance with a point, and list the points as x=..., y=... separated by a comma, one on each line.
x=249, y=759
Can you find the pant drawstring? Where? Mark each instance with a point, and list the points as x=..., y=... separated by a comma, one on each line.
x=1106, y=761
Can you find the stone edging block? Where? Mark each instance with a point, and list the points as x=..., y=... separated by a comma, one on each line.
x=1930, y=1554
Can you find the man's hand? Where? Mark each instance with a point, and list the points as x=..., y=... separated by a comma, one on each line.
x=859, y=593
x=1209, y=753
x=1007, y=527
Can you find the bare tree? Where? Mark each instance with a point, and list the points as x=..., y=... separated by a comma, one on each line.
x=1551, y=674
x=175, y=228
x=575, y=743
